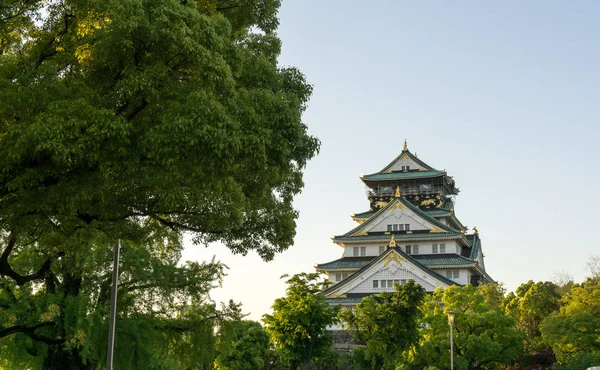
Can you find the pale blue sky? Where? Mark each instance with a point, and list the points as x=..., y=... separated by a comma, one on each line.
x=503, y=95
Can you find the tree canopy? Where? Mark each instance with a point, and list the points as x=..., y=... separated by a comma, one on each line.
x=299, y=321
x=484, y=337
x=386, y=324
x=138, y=120
x=574, y=331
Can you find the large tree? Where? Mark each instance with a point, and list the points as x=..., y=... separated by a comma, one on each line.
x=386, y=324
x=574, y=331
x=298, y=324
x=529, y=305
x=484, y=337
x=137, y=120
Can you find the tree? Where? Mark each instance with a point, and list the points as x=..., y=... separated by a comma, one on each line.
x=529, y=305
x=137, y=120
x=484, y=337
x=243, y=345
x=298, y=325
x=574, y=331
x=164, y=317
x=387, y=325
x=593, y=266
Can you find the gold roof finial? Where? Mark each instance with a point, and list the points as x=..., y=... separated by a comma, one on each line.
x=475, y=231
x=392, y=242
x=397, y=191
x=405, y=146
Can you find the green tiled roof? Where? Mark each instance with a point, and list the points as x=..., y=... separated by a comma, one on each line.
x=408, y=204
x=345, y=263
x=412, y=157
x=437, y=212
x=343, y=300
x=366, y=214
x=475, y=243
x=431, y=260
x=399, y=251
x=385, y=237
x=402, y=175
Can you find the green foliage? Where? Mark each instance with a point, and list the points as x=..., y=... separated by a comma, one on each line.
x=242, y=346
x=574, y=331
x=529, y=305
x=138, y=120
x=484, y=337
x=298, y=324
x=164, y=318
x=387, y=324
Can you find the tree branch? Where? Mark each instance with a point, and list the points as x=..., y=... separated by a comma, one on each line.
x=7, y=270
x=30, y=332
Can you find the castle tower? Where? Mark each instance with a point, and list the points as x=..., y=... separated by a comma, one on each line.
x=410, y=232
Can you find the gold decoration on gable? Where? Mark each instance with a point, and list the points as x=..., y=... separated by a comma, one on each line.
x=337, y=294
x=398, y=205
x=392, y=243
x=393, y=257
x=435, y=229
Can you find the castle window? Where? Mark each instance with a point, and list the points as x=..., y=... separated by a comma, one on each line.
x=408, y=249
x=397, y=282
x=383, y=283
x=375, y=283
x=434, y=248
x=345, y=275
x=415, y=249
x=452, y=274
x=381, y=249
x=406, y=227
x=442, y=248
x=389, y=227
x=338, y=277
x=403, y=282
x=355, y=251
x=363, y=251
x=395, y=227
x=390, y=283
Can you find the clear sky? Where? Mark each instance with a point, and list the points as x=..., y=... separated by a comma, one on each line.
x=503, y=95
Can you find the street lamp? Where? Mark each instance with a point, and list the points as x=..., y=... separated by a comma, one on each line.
x=451, y=315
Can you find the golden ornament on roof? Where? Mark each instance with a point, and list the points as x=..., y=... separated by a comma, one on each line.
x=393, y=242
x=397, y=192
x=405, y=146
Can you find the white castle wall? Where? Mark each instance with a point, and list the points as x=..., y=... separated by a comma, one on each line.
x=405, y=161
x=425, y=247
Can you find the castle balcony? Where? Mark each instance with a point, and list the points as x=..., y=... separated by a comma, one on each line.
x=390, y=191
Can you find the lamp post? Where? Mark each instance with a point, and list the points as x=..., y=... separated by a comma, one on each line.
x=451, y=315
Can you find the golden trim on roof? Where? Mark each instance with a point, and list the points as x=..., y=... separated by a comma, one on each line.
x=435, y=229
x=393, y=257
x=398, y=205
x=360, y=233
x=397, y=195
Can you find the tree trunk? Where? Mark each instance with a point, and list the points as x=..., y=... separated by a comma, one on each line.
x=58, y=357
